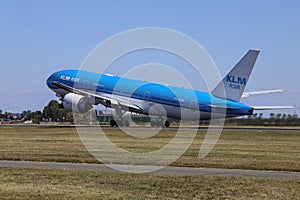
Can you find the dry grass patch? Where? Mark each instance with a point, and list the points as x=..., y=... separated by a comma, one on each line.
x=237, y=149
x=60, y=184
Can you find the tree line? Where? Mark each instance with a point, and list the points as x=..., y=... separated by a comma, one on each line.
x=277, y=119
x=53, y=113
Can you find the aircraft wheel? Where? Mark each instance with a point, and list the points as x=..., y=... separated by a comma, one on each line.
x=113, y=123
x=167, y=124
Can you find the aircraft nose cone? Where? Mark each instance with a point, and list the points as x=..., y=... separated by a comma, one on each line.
x=49, y=81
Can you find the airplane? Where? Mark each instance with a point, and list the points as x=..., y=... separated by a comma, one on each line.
x=80, y=90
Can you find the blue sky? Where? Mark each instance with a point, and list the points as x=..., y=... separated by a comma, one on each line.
x=40, y=37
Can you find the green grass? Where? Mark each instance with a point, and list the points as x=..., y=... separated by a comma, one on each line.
x=249, y=150
x=244, y=150
x=61, y=184
x=40, y=144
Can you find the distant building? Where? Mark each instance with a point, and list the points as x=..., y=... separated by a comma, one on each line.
x=11, y=116
x=15, y=116
x=3, y=117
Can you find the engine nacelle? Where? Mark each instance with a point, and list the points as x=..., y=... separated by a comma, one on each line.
x=76, y=103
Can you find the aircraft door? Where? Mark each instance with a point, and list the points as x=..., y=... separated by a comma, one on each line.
x=194, y=105
x=147, y=95
x=86, y=84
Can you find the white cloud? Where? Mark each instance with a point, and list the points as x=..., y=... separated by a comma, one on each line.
x=25, y=92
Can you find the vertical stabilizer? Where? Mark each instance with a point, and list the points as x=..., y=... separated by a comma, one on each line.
x=234, y=83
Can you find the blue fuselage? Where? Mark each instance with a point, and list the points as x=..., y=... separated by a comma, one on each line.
x=146, y=93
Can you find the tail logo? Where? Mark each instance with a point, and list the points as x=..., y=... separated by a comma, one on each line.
x=236, y=82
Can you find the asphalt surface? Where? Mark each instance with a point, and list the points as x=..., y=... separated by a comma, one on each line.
x=251, y=129
x=169, y=170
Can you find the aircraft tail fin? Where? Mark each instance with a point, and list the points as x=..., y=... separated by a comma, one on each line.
x=234, y=83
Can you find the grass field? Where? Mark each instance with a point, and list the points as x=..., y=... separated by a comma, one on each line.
x=244, y=150
x=61, y=184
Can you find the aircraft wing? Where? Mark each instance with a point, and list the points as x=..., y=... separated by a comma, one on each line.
x=247, y=94
x=273, y=107
x=99, y=98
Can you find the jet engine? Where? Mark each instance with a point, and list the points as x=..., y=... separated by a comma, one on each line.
x=76, y=103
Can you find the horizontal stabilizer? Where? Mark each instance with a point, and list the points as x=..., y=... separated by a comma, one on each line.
x=273, y=107
x=247, y=94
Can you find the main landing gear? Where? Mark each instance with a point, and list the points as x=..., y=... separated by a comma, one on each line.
x=160, y=123
x=118, y=120
x=125, y=123
x=119, y=123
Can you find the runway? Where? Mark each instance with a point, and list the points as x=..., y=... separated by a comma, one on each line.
x=169, y=170
x=230, y=129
